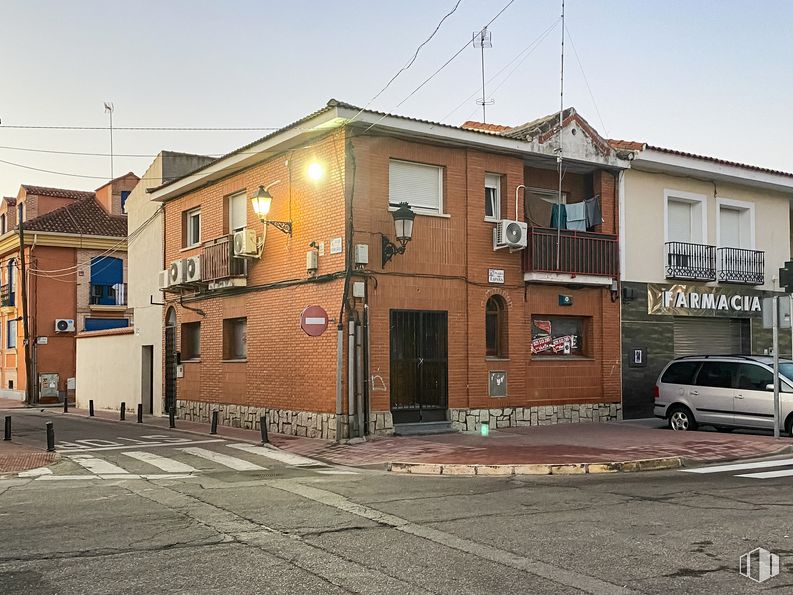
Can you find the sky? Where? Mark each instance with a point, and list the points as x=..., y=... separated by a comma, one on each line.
x=709, y=77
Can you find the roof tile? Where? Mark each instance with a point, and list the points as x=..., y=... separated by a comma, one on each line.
x=82, y=217
x=57, y=192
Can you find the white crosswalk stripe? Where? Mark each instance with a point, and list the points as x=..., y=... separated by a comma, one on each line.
x=768, y=474
x=287, y=458
x=98, y=466
x=163, y=463
x=225, y=460
x=753, y=466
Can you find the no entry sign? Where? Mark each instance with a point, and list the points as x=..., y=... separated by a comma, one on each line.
x=314, y=321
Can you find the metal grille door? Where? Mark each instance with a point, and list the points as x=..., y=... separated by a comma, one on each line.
x=419, y=365
x=170, y=361
x=710, y=336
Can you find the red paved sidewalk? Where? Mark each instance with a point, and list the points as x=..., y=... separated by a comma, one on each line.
x=11, y=404
x=559, y=444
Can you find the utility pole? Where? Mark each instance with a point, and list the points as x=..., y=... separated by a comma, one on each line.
x=30, y=382
x=483, y=39
x=109, y=110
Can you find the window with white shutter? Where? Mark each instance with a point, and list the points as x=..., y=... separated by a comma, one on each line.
x=419, y=185
x=238, y=212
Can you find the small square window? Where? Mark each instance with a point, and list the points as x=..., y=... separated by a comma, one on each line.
x=11, y=334
x=557, y=335
x=191, y=225
x=235, y=338
x=191, y=340
x=492, y=197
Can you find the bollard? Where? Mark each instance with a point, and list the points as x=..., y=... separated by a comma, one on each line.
x=8, y=428
x=263, y=427
x=171, y=419
x=140, y=413
x=66, y=404
x=50, y=437
x=123, y=411
x=213, y=429
x=90, y=408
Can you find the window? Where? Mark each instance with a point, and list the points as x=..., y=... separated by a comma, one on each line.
x=716, y=374
x=3, y=228
x=492, y=197
x=685, y=218
x=107, y=280
x=496, y=327
x=735, y=224
x=680, y=373
x=557, y=335
x=103, y=324
x=191, y=224
x=235, y=338
x=751, y=377
x=238, y=212
x=124, y=197
x=419, y=185
x=539, y=205
x=11, y=334
x=22, y=211
x=191, y=340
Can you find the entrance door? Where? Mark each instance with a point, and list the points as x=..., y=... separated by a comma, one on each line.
x=147, y=378
x=170, y=361
x=419, y=365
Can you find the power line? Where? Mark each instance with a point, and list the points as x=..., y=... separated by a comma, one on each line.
x=591, y=95
x=142, y=128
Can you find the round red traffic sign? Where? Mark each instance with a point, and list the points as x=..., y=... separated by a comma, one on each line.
x=314, y=321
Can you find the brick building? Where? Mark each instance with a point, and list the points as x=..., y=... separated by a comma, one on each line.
x=457, y=330
x=74, y=252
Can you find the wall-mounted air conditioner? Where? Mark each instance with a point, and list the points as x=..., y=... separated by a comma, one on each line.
x=176, y=272
x=192, y=269
x=164, y=279
x=246, y=243
x=510, y=234
x=64, y=325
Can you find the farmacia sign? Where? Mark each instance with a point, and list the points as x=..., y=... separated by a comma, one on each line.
x=702, y=300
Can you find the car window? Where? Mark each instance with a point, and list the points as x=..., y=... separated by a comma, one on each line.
x=716, y=374
x=680, y=373
x=751, y=377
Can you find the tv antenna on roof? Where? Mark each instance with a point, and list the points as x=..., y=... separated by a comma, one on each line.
x=109, y=110
x=483, y=39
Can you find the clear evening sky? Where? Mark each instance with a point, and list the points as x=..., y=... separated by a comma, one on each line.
x=710, y=77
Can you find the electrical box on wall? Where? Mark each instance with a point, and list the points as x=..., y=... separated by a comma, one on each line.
x=312, y=262
x=359, y=289
x=361, y=254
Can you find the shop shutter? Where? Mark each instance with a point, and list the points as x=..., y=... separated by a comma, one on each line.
x=709, y=336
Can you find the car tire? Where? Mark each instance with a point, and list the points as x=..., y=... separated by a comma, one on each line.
x=681, y=419
x=789, y=425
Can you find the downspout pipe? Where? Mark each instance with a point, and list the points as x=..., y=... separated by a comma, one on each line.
x=352, y=429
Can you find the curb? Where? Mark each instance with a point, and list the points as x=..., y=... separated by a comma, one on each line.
x=660, y=464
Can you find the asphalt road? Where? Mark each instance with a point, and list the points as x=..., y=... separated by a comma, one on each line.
x=294, y=527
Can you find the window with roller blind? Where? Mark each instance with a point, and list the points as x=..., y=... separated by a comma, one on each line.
x=418, y=184
x=238, y=212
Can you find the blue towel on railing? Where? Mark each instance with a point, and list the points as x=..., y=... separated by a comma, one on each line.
x=576, y=216
x=558, y=216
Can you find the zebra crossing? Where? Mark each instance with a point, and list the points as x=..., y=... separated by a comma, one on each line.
x=177, y=463
x=752, y=470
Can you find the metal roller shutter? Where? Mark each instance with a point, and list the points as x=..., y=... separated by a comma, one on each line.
x=715, y=336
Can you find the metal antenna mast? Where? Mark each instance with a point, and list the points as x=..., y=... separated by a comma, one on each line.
x=483, y=39
x=109, y=110
x=561, y=152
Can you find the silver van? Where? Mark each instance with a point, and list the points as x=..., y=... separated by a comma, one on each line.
x=724, y=391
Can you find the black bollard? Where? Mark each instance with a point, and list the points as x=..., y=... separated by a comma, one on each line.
x=213, y=429
x=8, y=428
x=140, y=413
x=171, y=419
x=123, y=411
x=50, y=437
x=66, y=404
x=263, y=428
x=91, y=408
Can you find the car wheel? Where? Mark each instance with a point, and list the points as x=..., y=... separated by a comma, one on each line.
x=789, y=425
x=724, y=429
x=681, y=419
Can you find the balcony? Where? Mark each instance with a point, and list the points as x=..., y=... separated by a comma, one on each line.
x=108, y=296
x=7, y=297
x=580, y=254
x=219, y=267
x=737, y=265
x=690, y=261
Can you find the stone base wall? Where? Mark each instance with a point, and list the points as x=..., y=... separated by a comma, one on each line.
x=470, y=420
x=381, y=423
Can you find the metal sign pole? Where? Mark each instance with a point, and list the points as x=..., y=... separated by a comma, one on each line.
x=775, y=316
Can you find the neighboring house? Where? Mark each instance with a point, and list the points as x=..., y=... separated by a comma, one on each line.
x=451, y=328
x=75, y=253
x=139, y=379
x=704, y=239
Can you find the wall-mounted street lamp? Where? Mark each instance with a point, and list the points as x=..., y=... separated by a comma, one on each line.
x=403, y=226
x=261, y=202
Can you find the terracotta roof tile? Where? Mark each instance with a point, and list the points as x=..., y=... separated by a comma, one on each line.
x=627, y=145
x=124, y=330
x=10, y=200
x=484, y=126
x=720, y=161
x=82, y=217
x=57, y=192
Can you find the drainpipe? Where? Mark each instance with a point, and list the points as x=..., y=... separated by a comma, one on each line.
x=360, y=420
x=352, y=422
x=339, y=364
x=367, y=355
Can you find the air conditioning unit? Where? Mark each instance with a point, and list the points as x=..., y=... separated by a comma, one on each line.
x=510, y=234
x=192, y=269
x=246, y=243
x=176, y=272
x=64, y=325
x=164, y=279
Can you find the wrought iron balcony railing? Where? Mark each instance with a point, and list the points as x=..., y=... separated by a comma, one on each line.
x=579, y=252
x=7, y=297
x=683, y=260
x=108, y=295
x=737, y=265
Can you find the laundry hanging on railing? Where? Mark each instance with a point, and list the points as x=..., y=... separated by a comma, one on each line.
x=577, y=216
